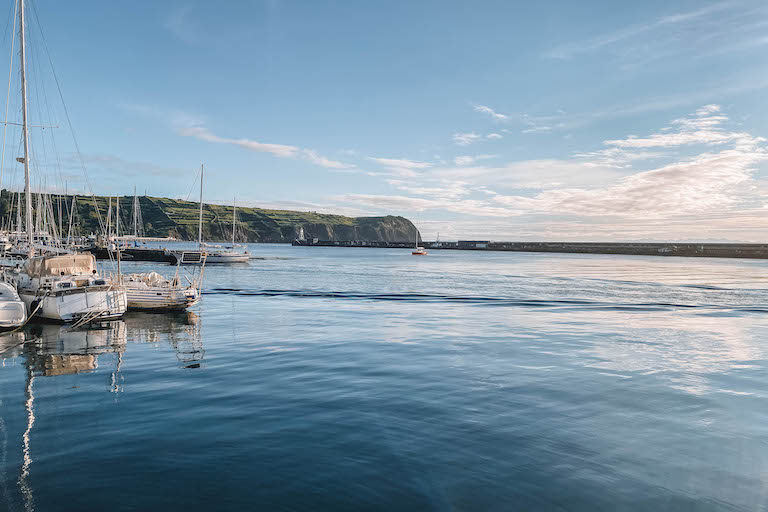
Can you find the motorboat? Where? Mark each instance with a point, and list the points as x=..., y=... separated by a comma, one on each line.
x=13, y=311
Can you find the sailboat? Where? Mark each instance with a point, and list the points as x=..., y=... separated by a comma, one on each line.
x=151, y=290
x=61, y=287
x=218, y=254
x=213, y=253
x=418, y=250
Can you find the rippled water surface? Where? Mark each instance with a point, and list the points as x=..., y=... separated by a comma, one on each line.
x=368, y=379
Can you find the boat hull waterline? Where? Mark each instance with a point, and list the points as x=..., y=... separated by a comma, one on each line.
x=161, y=299
x=98, y=302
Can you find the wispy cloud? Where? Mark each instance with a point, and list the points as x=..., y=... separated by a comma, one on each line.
x=572, y=49
x=496, y=116
x=322, y=161
x=701, y=128
x=470, y=159
x=494, y=136
x=202, y=133
x=569, y=121
x=195, y=129
x=465, y=139
x=401, y=167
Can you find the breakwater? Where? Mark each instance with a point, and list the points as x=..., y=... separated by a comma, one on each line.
x=709, y=250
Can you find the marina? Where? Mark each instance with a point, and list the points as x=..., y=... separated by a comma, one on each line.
x=223, y=284
x=508, y=364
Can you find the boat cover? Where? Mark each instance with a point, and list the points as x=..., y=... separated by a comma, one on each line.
x=66, y=264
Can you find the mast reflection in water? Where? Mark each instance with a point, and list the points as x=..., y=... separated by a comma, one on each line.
x=49, y=350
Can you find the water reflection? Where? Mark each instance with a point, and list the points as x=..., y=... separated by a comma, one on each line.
x=58, y=350
x=181, y=330
x=50, y=350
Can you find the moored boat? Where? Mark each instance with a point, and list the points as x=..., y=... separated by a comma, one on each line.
x=68, y=288
x=13, y=311
x=60, y=287
x=152, y=291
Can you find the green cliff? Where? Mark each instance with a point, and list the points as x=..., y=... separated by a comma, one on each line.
x=162, y=217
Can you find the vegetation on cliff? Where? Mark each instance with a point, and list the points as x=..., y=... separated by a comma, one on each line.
x=163, y=217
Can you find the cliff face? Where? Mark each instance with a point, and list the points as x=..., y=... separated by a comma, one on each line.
x=385, y=229
x=163, y=217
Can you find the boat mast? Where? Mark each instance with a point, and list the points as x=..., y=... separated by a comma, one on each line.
x=135, y=214
x=25, y=131
x=117, y=236
x=18, y=214
x=200, y=225
x=234, y=209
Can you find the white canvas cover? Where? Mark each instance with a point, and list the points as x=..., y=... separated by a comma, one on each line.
x=66, y=264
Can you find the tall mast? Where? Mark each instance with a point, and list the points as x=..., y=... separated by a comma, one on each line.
x=200, y=225
x=18, y=214
x=234, y=209
x=117, y=235
x=109, y=218
x=25, y=130
x=135, y=213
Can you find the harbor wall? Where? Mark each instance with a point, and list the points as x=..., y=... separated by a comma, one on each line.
x=709, y=250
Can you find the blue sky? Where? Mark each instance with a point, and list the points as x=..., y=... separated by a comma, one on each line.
x=500, y=120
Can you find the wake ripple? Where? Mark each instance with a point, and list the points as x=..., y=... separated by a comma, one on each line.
x=487, y=301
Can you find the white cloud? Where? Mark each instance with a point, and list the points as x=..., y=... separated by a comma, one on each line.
x=188, y=127
x=496, y=116
x=442, y=190
x=202, y=133
x=707, y=183
x=467, y=159
x=701, y=128
x=624, y=190
x=465, y=139
x=401, y=167
x=535, y=174
x=405, y=203
x=322, y=161
x=494, y=136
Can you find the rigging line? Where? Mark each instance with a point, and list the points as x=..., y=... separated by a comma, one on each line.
x=69, y=121
x=8, y=23
x=193, y=185
x=8, y=95
x=42, y=92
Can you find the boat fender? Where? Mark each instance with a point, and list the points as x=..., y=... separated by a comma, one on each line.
x=34, y=305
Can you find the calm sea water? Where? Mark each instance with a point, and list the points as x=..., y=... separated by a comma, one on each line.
x=367, y=379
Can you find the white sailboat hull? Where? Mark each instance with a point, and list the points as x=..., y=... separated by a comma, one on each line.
x=215, y=257
x=162, y=298
x=99, y=302
x=227, y=258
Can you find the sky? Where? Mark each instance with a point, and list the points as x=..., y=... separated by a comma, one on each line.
x=591, y=121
